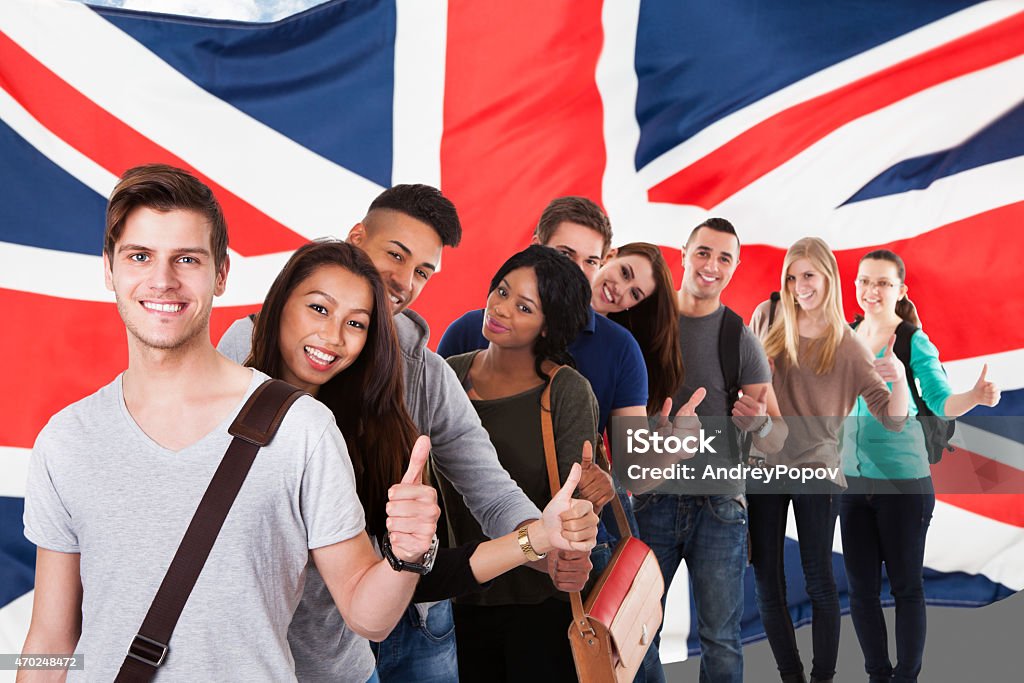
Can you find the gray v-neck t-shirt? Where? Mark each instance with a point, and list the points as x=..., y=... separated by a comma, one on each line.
x=100, y=487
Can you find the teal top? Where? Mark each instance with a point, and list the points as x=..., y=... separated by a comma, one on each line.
x=869, y=450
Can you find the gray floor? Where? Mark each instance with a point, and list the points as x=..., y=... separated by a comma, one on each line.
x=964, y=646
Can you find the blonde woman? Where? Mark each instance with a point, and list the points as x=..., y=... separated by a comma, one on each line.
x=820, y=370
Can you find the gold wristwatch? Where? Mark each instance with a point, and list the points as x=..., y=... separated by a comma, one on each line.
x=524, y=544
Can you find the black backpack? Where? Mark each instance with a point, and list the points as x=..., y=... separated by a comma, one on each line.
x=729, y=357
x=937, y=432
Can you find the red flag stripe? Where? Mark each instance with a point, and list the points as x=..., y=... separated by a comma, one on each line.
x=117, y=147
x=755, y=152
x=962, y=278
x=516, y=81
x=43, y=366
x=1007, y=508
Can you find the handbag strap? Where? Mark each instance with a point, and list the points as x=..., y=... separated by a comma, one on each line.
x=254, y=427
x=548, y=431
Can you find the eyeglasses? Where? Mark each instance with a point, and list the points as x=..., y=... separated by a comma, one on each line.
x=867, y=283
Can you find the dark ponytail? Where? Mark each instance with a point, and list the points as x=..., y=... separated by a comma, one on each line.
x=905, y=308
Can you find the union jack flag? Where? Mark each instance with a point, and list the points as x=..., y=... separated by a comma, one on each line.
x=898, y=127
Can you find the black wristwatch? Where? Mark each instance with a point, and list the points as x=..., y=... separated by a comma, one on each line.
x=421, y=567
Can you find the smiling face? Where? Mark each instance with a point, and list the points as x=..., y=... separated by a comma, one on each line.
x=807, y=285
x=324, y=326
x=878, y=287
x=584, y=246
x=163, y=276
x=709, y=260
x=622, y=282
x=405, y=251
x=514, y=317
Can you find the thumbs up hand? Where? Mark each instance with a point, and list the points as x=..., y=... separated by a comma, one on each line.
x=412, y=508
x=685, y=423
x=567, y=523
x=985, y=393
x=749, y=413
x=889, y=366
x=595, y=484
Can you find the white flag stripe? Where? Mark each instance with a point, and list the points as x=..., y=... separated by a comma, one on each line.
x=14, y=621
x=420, y=50
x=801, y=196
x=82, y=275
x=832, y=78
x=284, y=180
x=963, y=541
x=79, y=166
x=676, y=620
x=993, y=446
x=14, y=470
x=1005, y=369
x=625, y=189
x=946, y=201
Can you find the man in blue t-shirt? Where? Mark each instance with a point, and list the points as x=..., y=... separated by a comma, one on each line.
x=605, y=353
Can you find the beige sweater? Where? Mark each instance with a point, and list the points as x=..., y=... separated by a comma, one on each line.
x=815, y=406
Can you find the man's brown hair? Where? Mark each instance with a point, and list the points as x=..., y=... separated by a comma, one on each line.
x=574, y=210
x=164, y=188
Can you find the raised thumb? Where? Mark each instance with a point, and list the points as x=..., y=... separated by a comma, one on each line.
x=588, y=456
x=565, y=493
x=417, y=459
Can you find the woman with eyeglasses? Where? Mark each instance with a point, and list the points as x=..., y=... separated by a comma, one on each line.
x=891, y=529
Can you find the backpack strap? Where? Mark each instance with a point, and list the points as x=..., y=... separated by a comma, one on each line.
x=774, y=298
x=729, y=335
x=904, y=334
x=254, y=427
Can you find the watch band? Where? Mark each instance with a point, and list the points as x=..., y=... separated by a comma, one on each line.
x=523, y=536
x=422, y=567
x=766, y=428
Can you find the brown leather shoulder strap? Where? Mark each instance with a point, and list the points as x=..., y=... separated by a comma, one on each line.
x=255, y=426
x=550, y=456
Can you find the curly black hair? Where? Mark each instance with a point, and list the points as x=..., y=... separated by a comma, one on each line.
x=564, y=297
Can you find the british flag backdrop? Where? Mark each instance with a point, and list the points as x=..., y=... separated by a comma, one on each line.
x=897, y=125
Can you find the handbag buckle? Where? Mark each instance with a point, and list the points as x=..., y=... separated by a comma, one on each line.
x=586, y=629
x=147, y=650
x=644, y=636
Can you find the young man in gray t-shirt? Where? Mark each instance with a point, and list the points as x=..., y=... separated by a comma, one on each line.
x=115, y=478
x=710, y=532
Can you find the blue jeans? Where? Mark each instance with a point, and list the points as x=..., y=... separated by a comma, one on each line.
x=420, y=651
x=815, y=515
x=710, y=534
x=889, y=528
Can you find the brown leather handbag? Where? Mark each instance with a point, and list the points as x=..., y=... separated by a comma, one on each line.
x=612, y=631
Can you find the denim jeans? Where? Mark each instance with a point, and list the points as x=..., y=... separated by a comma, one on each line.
x=710, y=534
x=889, y=528
x=418, y=650
x=815, y=515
